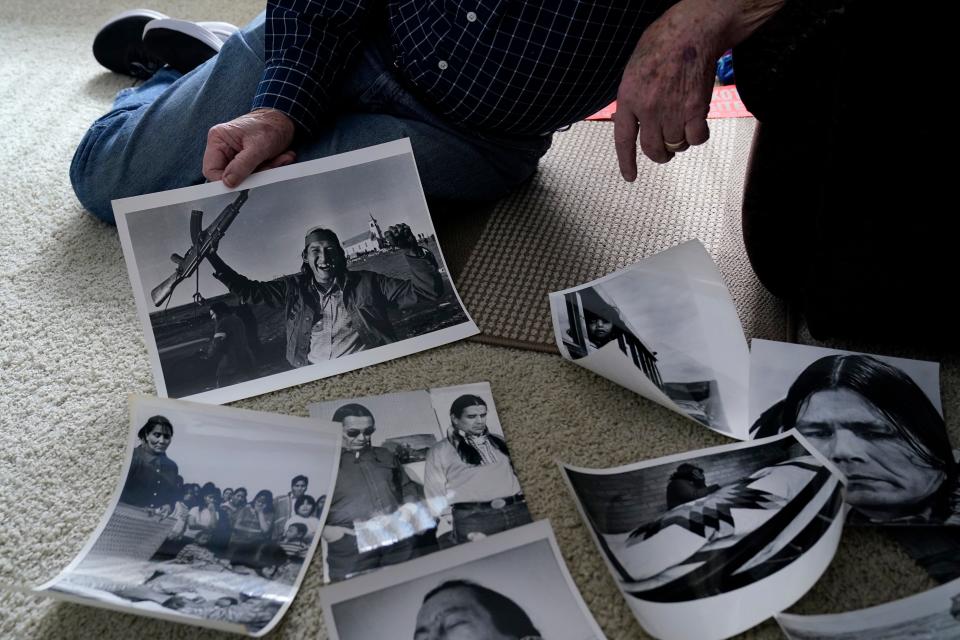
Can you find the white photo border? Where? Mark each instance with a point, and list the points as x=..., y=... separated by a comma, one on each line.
x=124, y=206
x=448, y=559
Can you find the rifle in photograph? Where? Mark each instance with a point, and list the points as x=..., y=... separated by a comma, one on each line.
x=204, y=243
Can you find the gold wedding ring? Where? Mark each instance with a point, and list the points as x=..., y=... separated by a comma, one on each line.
x=676, y=147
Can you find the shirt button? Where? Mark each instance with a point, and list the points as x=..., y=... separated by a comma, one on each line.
x=442, y=64
x=471, y=16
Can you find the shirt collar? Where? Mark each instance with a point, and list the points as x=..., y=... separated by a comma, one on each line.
x=336, y=287
x=475, y=440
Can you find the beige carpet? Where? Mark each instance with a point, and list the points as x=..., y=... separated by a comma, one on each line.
x=71, y=349
x=578, y=220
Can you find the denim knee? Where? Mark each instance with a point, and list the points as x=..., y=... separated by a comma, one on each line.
x=86, y=184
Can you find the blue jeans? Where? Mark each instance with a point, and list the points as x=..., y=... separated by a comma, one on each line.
x=154, y=136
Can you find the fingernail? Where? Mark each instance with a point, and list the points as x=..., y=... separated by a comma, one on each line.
x=228, y=180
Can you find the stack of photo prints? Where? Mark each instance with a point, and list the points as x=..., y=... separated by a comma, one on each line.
x=408, y=504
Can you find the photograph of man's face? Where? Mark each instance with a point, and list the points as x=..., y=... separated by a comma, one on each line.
x=872, y=420
x=324, y=257
x=472, y=420
x=507, y=587
x=882, y=470
x=357, y=431
x=458, y=613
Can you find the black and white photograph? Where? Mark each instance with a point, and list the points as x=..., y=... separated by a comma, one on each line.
x=931, y=615
x=691, y=537
x=878, y=419
x=665, y=328
x=420, y=471
x=511, y=586
x=215, y=518
x=310, y=270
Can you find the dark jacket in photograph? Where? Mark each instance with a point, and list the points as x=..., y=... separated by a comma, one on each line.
x=371, y=482
x=367, y=296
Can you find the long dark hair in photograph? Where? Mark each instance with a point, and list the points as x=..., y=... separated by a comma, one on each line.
x=467, y=452
x=892, y=392
x=268, y=496
x=152, y=422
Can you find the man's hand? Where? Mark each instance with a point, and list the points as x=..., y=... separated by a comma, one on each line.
x=667, y=83
x=255, y=141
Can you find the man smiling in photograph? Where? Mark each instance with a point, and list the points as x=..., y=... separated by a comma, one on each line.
x=331, y=311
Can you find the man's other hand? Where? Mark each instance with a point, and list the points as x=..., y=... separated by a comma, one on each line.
x=665, y=91
x=255, y=141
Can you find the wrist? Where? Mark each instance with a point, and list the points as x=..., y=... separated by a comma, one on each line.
x=276, y=118
x=747, y=16
x=716, y=25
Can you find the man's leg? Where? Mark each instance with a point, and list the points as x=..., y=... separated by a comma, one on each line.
x=343, y=559
x=843, y=205
x=155, y=136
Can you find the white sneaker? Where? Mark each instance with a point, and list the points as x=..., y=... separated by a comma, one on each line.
x=182, y=44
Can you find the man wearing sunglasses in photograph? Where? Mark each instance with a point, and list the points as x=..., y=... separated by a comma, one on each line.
x=371, y=483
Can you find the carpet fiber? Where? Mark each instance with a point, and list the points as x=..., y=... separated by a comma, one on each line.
x=71, y=347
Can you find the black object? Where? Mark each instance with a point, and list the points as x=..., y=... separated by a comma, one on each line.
x=181, y=44
x=119, y=47
x=845, y=210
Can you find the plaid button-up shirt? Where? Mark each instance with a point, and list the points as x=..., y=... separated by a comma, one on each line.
x=508, y=66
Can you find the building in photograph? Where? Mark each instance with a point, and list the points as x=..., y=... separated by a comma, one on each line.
x=367, y=242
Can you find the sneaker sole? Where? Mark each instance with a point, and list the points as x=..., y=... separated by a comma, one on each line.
x=120, y=38
x=181, y=44
x=222, y=30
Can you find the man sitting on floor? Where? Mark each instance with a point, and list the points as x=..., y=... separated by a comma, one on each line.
x=312, y=78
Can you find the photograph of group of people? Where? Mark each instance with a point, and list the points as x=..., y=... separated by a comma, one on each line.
x=690, y=537
x=878, y=419
x=312, y=270
x=665, y=328
x=420, y=471
x=511, y=586
x=216, y=517
x=931, y=615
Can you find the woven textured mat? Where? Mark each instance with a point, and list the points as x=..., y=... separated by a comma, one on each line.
x=578, y=220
